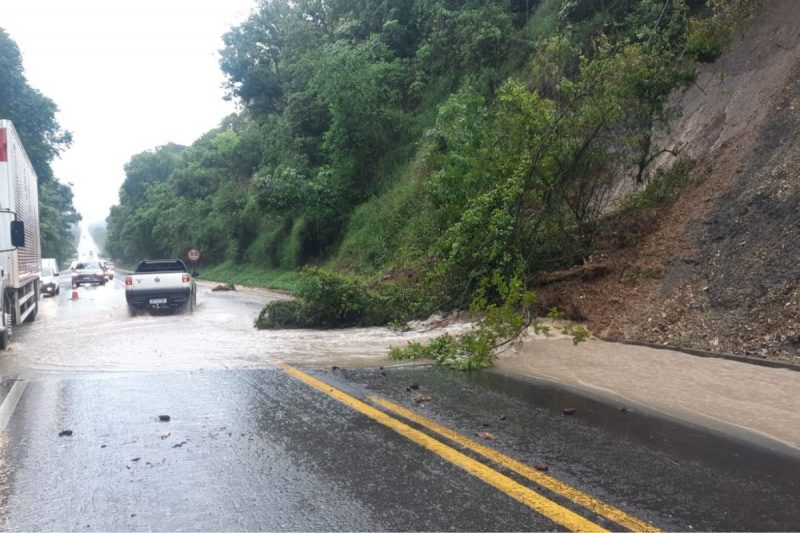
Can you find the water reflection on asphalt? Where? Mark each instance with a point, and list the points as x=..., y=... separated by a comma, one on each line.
x=95, y=333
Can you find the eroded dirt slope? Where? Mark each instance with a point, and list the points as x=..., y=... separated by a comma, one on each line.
x=720, y=269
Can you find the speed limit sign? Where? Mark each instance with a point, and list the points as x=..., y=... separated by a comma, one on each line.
x=193, y=254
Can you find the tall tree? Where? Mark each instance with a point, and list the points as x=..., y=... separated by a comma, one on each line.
x=34, y=117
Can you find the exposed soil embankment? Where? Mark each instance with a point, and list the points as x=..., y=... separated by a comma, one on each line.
x=718, y=270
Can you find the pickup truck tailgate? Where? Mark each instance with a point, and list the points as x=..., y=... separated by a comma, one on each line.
x=157, y=289
x=159, y=281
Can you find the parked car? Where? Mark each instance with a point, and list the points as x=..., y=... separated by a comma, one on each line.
x=88, y=272
x=49, y=281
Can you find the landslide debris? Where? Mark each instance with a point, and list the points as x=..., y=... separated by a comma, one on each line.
x=719, y=269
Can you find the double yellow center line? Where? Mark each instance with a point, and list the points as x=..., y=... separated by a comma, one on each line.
x=542, y=505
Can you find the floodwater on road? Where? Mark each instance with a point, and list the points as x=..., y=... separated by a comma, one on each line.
x=94, y=333
x=170, y=421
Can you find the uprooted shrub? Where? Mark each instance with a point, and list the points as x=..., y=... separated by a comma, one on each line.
x=327, y=299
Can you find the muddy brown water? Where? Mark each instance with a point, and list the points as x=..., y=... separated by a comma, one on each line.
x=94, y=333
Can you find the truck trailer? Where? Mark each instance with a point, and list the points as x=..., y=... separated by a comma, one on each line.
x=20, y=248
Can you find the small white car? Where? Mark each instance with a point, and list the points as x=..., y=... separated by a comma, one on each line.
x=49, y=281
x=88, y=272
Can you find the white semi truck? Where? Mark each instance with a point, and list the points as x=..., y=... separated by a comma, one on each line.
x=20, y=249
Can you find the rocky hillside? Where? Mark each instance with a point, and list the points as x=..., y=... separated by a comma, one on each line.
x=719, y=269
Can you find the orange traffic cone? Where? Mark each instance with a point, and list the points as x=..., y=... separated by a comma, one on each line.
x=74, y=293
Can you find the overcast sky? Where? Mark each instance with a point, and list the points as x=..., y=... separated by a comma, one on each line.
x=126, y=75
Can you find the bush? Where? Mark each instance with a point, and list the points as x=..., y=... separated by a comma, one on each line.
x=281, y=314
x=708, y=38
x=662, y=187
x=327, y=299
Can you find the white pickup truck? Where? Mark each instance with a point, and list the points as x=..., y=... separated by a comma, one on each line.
x=160, y=284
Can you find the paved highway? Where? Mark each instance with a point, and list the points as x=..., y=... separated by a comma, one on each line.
x=200, y=422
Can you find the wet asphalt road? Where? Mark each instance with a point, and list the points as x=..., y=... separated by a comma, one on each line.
x=250, y=447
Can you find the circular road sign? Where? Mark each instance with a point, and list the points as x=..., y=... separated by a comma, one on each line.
x=193, y=254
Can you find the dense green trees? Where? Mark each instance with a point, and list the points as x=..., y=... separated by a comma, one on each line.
x=442, y=142
x=33, y=115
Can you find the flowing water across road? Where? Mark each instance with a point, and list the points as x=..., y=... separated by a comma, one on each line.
x=95, y=333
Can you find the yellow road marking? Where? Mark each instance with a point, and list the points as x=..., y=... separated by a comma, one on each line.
x=540, y=478
x=555, y=512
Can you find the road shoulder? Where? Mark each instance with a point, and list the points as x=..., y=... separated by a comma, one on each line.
x=735, y=397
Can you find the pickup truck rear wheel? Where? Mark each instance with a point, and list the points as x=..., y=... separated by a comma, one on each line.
x=132, y=311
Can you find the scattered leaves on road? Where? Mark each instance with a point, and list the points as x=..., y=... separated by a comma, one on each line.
x=485, y=435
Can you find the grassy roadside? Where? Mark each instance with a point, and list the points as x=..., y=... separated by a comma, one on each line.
x=250, y=276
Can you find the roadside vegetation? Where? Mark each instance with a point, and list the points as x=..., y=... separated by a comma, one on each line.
x=34, y=117
x=251, y=276
x=415, y=156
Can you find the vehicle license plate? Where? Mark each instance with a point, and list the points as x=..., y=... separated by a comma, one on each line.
x=156, y=301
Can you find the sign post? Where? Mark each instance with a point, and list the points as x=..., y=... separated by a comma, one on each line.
x=193, y=254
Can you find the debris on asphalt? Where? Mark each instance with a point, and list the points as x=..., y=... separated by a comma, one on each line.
x=503, y=417
x=135, y=459
x=541, y=467
x=224, y=287
x=414, y=386
x=164, y=418
x=568, y=410
x=165, y=435
x=65, y=433
x=485, y=435
x=422, y=399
